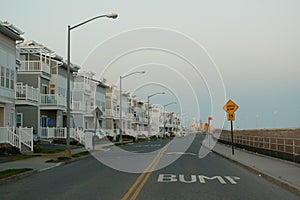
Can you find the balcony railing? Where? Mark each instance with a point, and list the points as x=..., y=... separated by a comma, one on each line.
x=53, y=99
x=82, y=86
x=37, y=66
x=27, y=93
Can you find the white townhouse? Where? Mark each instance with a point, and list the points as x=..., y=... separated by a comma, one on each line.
x=112, y=112
x=88, y=101
x=41, y=87
x=9, y=35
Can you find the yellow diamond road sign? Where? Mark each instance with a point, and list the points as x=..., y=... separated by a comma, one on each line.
x=230, y=107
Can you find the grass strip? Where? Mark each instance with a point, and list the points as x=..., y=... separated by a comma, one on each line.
x=11, y=172
x=59, y=159
x=18, y=157
x=84, y=153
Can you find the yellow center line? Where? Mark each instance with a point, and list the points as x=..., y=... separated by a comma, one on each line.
x=147, y=172
x=138, y=190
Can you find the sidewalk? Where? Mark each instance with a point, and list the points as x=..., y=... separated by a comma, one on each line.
x=282, y=172
x=37, y=163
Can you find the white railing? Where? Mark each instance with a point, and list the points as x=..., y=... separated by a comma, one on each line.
x=141, y=134
x=37, y=66
x=57, y=133
x=53, y=99
x=286, y=145
x=52, y=132
x=26, y=137
x=130, y=132
x=17, y=137
x=111, y=132
x=82, y=86
x=25, y=92
x=80, y=136
x=8, y=135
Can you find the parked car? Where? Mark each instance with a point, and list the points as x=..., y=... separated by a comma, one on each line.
x=171, y=134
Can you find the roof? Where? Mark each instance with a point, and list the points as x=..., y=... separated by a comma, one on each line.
x=10, y=31
x=32, y=46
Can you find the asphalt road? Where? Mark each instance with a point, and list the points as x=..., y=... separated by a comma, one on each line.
x=189, y=177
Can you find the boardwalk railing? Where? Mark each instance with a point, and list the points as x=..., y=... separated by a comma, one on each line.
x=276, y=144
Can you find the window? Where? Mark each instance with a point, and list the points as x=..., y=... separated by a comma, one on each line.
x=12, y=79
x=19, y=119
x=2, y=76
x=7, y=77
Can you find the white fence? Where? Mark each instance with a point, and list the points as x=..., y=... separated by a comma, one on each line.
x=17, y=136
x=59, y=133
x=286, y=145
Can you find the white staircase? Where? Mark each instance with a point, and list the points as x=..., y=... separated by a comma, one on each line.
x=17, y=137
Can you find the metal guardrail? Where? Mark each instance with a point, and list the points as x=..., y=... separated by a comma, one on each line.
x=285, y=145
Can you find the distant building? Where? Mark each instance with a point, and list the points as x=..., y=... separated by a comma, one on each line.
x=88, y=97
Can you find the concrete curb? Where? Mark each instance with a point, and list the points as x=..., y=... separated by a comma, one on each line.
x=275, y=180
x=18, y=176
x=32, y=172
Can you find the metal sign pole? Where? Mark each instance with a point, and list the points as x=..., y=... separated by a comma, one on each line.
x=232, y=144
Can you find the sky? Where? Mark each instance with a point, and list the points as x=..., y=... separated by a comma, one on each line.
x=203, y=52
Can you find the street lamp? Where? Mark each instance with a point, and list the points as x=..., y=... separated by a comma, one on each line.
x=164, y=115
x=120, y=109
x=149, y=109
x=113, y=16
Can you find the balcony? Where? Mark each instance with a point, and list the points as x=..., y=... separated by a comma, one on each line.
x=53, y=100
x=34, y=66
x=26, y=94
x=82, y=86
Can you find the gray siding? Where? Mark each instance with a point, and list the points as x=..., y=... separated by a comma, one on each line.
x=30, y=116
x=29, y=79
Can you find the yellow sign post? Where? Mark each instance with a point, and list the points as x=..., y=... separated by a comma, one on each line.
x=231, y=117
x=230, y=107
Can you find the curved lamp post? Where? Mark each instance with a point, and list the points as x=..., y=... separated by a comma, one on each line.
x=113, y=16
x=120, y=110
x=149, y=128
x=164, y=115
